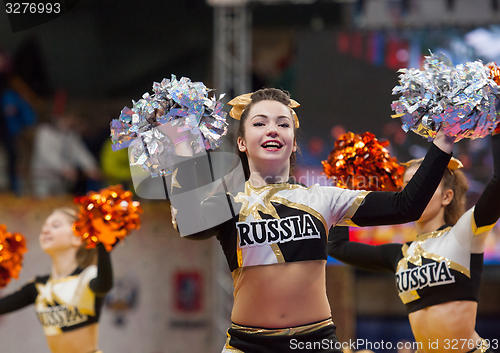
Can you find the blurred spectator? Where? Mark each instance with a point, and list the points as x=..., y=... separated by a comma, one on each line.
x=59, y=155
x=115, y=166
x=15, y=115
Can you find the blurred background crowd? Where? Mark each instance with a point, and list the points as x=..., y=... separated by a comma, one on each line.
x=62, y=82
x=339, y=59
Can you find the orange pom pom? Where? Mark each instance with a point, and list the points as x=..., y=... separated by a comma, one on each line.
x=361, y=162
x=106, y=216
x=494, y=72
x=12, y=249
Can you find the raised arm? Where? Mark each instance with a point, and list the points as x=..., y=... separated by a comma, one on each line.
x=383, y=208
x=18, y=300
x=445, y=143
x=199, y=188
x=199, y=203
x=103, y=283
x=487, y=209
x=381, y=258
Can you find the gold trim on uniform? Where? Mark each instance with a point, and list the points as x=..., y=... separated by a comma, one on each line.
x=407, y=297
x=260, y=202
x=354, y=207
x=301, y=207
x=174, y=181
x=44, y=294
x=299, y=330
x=83, y=311
x=419, y=252
x=476, y=230
x=261, y=199
x=239, y=253
x=258, y=199
x=416, y=259
x=64, y=279
x=277, y=252
x=228, y=348
x=403, y=263
x=451, y=264
x=173, y=211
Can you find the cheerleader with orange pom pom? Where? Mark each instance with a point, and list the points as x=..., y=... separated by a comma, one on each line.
x=438, y=274
x=68, y=301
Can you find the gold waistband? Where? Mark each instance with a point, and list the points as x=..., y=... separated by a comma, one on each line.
x=298, y=330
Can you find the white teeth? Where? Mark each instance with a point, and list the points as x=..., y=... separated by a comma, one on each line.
x=272, y=144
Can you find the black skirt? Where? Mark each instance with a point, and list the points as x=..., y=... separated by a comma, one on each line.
x=318, y=337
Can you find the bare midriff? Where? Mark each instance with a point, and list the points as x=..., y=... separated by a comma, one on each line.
x=447, y=327
x=81, y=340
x=281, y=295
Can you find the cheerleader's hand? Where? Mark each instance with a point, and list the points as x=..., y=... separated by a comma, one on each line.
x=172, y=132
x=180, y=139
x=445, y=143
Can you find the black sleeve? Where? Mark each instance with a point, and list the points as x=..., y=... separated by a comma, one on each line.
x=18, y=300
x=381, y=258
x=209, y=209
x=383, y=208
x=487, y=209
x=198, y=191
x=104, y=280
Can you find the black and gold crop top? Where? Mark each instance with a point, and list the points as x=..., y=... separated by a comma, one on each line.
x=437, y=267
x=286, y=222
x=68, y=303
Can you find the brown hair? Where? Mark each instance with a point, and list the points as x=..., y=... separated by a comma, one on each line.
x=271, y=94
x=84, y=257
x=456, y=181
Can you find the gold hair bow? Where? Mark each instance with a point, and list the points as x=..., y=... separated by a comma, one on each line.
x=453, y=164
x=242, y=101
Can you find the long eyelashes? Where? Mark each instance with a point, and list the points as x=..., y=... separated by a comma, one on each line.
x=285, y=125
